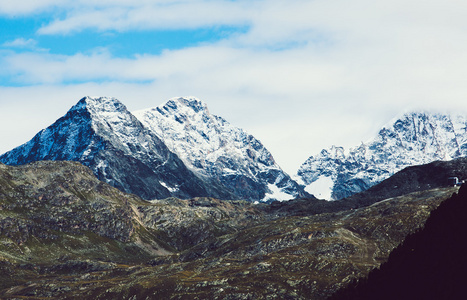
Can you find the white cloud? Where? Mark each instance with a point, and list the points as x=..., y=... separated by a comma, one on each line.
x=305, y=75
x=128, y=15
x=28, y=7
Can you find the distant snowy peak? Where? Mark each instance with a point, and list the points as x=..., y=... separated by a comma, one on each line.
x=185, y=122
x=414, y=138
x=99, y=108
x=427, y=133
x=112, y=121
x=213, y=148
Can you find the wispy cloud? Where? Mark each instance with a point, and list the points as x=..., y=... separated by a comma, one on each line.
x=21, y=43
x=144, y=15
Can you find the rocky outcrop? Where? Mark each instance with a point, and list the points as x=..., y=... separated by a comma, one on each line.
x=412, y=179
x=62, y=203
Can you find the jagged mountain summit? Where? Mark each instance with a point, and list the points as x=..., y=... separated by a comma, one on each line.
x=415, y=138
x=103, y=135
x=213, y=148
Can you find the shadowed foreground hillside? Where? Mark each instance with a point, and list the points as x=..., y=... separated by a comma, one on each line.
x=430, y=264
x=66, y=235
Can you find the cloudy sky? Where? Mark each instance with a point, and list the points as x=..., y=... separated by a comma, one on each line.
x=300, y=75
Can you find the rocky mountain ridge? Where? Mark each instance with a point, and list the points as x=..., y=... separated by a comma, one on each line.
x=414, y=139
x=62, y=206
x=213, y=148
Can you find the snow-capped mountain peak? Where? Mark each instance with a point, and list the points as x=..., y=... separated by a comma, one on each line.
x=103, y=135
x=412, y=139
x=213, y=148
x=111, y=118
x=101, y=104
x=177, y=149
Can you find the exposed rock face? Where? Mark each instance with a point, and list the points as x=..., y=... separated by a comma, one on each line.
x=414, y=139
x=64, y=234
x=103, y=135
x=215, y=149
x=49, y=209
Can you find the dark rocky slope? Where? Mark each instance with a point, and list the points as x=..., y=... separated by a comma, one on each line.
x=430, y=264
x=414, y=178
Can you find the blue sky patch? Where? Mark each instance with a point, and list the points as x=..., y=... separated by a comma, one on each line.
x=119, y=44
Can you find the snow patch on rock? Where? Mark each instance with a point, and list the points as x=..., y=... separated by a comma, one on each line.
x=321, y=188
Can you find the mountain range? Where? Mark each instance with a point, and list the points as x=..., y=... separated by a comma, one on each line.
x=103, y=135
x=178, y=149
x=415, y=138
